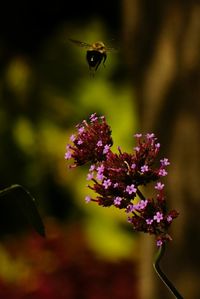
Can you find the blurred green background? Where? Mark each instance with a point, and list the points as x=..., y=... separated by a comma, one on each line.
x=45, y=90
x=150, y=84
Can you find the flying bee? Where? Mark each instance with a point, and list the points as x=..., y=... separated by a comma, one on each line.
x=96, y=52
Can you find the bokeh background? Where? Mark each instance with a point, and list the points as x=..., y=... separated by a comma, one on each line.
x=150, y=84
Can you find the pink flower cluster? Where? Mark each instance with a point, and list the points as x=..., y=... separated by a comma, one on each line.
x=91, y=143
x=116, y=177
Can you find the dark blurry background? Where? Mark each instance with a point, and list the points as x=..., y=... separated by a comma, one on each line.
x=150, y=84
x=45, y=89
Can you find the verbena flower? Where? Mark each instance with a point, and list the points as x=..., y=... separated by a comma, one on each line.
x=152, y=217
x=116, y=177
x=91, y=142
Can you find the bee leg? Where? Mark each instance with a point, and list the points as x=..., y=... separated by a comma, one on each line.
x=104, y=59
x=92, y=72
x=96, y=68
x=98, y=63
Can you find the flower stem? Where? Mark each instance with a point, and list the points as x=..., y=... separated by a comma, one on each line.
x=8, y=189
x=139, y=193
x=156, y=265
x=25, y=202
x=162, y=276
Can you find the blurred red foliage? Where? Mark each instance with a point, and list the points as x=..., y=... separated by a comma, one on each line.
x=62, y=266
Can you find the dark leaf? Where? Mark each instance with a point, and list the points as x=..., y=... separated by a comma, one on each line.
x=19, y=202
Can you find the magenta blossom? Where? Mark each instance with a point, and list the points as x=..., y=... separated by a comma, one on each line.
x=91, y=143
x=117, y=177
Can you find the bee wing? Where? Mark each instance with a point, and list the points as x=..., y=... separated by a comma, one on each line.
x=79, y=43
x=110, y=49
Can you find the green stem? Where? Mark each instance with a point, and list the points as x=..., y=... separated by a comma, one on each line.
x=25, y=202
x=162, y=276
x=11, y=188
x=156, y=265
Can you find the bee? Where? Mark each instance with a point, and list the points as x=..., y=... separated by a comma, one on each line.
x=96, y=53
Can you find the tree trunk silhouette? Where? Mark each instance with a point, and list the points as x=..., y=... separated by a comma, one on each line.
x=162, y=52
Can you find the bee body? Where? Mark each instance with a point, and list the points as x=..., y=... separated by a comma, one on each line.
x=96, y=52
x=94, y=59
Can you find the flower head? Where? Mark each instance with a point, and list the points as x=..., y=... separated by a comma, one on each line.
x=91, y=143
x=116, y=177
